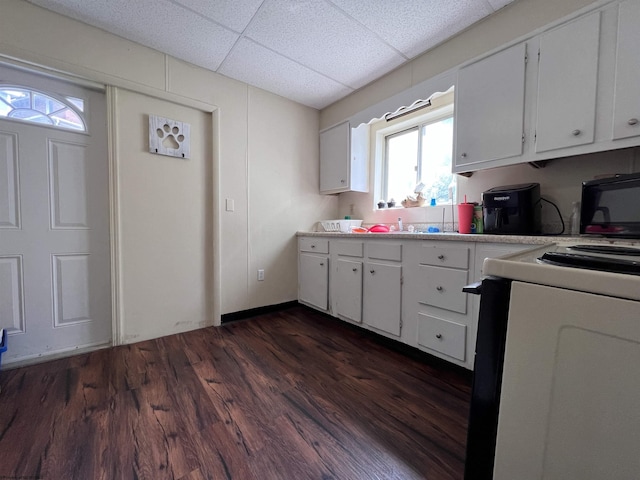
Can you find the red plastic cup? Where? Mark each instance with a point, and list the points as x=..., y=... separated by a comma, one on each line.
x=465, y=217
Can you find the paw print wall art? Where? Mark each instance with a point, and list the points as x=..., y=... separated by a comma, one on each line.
x=169, y=137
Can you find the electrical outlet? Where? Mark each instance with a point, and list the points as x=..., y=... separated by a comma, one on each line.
x=260, y=275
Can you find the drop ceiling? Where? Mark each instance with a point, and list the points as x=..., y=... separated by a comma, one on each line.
x=314, y=52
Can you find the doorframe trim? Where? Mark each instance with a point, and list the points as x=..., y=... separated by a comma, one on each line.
x=114, y=216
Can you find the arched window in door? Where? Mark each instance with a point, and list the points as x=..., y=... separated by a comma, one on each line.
x=27, y=105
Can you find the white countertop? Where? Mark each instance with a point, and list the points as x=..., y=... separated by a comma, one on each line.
x=479, y=238
x=523, y=267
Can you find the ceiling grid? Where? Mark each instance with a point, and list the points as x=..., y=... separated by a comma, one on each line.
x=314, y=52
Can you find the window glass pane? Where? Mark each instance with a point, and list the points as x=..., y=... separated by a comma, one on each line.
x=77, y=102
x=437, y=146
x=31, y=106
x=4, y=109
x=30, y=116
x=67, y=118
x=402, y=162
x=16, y=98
x=45, y=104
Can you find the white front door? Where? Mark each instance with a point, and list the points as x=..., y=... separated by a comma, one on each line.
x=55, y=287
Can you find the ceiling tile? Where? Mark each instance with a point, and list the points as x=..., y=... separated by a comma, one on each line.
x=321, y=37
x=234, y=14
x=158, y=24
x=498, y=4
x=414, y=26
x=259, y=66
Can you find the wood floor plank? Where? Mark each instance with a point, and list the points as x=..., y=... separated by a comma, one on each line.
x=290, y=394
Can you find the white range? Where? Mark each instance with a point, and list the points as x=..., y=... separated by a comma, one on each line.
x=557, y=364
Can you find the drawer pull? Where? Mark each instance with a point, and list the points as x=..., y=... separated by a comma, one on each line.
x=633, y=121
x=372, y=272
x=439, y=336
x=576, y=132
x=322, y=264
x=355, y=269
x=439, y=288
x=441, y=257
x=313, y=246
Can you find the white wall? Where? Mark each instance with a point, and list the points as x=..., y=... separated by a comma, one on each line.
x=249, y=147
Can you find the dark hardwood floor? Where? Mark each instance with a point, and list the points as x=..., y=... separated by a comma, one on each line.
x=287, y=395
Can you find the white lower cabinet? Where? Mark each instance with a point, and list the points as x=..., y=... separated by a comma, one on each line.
x=409, y=290
x=348, y=291
x=313, y=272
x=436, y=273
x=314, y=280
x=382, y=296
x=444, y=336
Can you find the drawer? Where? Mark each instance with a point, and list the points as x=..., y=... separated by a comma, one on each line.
x=349, y=249
x=384, y=251
x=453, y=256
x=442, y=336
x=442, y=288
x=316, y=245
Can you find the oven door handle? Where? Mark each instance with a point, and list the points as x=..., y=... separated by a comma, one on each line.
x=474, y=288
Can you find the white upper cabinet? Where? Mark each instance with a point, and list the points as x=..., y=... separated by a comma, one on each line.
x=626, y=115
x=578, y=94
x=489, y=108
x=567, y=84
x=344, y=159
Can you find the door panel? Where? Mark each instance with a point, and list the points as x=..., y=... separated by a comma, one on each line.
x=11, y=298
x=9, y=207
x=68, y=186
x=55, y=285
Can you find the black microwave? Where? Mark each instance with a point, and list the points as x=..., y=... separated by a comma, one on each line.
x=611, y=206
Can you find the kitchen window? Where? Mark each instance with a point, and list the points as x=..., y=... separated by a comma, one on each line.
x=418, y=150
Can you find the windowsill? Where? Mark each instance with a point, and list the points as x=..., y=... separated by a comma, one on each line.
x=400, y=207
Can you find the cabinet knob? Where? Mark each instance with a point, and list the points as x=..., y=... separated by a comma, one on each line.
x=440, y=257
x=463, y=155
x=313, y=246
x=439, y=336
x=576, y=132
x=439, y=288
x=342, y=181
x=633, y=121
x=355, y=269
x=372, y=272
x=322, y=264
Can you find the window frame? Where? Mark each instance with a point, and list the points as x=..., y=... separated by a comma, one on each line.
x=400, y=126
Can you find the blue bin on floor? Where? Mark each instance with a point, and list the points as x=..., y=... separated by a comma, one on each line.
x=3, y=345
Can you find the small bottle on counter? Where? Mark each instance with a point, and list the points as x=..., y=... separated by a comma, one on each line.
x=574, y=220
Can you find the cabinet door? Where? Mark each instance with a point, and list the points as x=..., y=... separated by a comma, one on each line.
x=567, y=81
x=313, y=280
x=626, y=115
x=382, y=296
x=334, y=158
x=348, y=290
x=489, y=108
